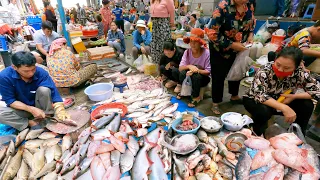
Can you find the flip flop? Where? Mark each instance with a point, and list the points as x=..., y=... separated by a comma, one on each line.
x=178, y=96
x=193, y=103
x=238, y=101
x=68, y=102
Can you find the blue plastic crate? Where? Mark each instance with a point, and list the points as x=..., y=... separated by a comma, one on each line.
x=36, y=26
x=34, y=19
x=4, y=46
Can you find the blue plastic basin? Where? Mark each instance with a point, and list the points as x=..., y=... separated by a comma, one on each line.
x=179, y=121
x=99, y=92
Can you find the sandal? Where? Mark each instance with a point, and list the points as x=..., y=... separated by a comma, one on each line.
x=193, y=103
x=178, y=88
x=216, y=110
x=237, y=101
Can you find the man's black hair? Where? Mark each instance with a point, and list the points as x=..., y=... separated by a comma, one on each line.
x=45, y=4
x=104, y=2
x=99, y=18
x=23, y=58
x=194, y=16
x=46, y=25
x=293, y=53
x=169, y=45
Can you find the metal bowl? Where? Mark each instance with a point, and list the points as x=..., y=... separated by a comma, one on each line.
x=173, y=142
x=235, y=141
x=211, y=129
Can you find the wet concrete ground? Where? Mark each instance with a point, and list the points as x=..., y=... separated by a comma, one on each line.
x=203, y=107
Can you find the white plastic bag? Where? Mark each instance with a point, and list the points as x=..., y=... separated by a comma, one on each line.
x=141, y=61
x=186, y=89
x=263, y=34
x=263, y=60
x=138, y=62
x=240, y=66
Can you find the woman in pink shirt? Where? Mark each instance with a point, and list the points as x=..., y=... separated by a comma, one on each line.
x=162, y=17
x=195, y=63
x=106, y=16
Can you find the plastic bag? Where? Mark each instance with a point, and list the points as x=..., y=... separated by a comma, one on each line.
x=240, y=66
x=141, y=62
x=186, y=89
x=269, y=47
x=138, y=62
x=263, y=34
x=263, y=60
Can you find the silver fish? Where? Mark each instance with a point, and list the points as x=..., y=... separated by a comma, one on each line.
x=141, y=164
x=49, y=167
x=115, y=157
x=202, y=135
x=83, y=151
x=64, y=158
x=57, y=152
x=47, y=135
x=158, y=111
x=83, y=167
x=51, y=142
x=114, y=125
x=66, y=142
x=33, y=134
x=136, y=114
x=75, y=147
x=193, y=155
x=99, y=123
x=126, y=161
x=243, y=166
x=38, y=162
x=49, y=154
x=50, y=176
x=181, y=166
x=35, y=143
x=162, y=104
x=11, y=149
x=100, y=134
x=133, y=145
x=203, y=176
x=28, y=158
x=157, y=170
x=83, y=139
x=3, y=151
x=13, y=166
x=21, y=137
x=144, y=110
x=69, y=165
x=23, y=172
x=170, y=109
x=145, y=117
x=137, y=105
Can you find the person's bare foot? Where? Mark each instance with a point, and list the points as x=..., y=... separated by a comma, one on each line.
x=234, y=98
x=215, y=109
x=194, y=102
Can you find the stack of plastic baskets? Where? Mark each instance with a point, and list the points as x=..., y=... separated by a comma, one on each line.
x=4, y=51
x=34, y=21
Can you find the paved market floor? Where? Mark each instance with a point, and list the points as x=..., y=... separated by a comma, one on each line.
x=203, y=107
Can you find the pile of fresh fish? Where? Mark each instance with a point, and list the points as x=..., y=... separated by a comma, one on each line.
x=144, y=107
x=207, y=162
x=277, y=154
x=105, y=150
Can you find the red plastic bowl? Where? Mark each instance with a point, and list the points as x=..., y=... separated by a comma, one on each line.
x=96, y=111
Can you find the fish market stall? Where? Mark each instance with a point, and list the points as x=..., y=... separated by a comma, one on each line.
x=145, y=133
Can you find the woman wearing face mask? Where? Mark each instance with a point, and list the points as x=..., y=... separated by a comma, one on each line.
x=272, y=81
x=232, y=24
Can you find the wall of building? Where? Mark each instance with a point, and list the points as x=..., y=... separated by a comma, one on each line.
x=207, y=5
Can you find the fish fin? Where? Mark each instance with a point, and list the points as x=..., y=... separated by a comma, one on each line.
x=125, y=140
x=148, y=172
x=308, y=168
x=151, y=143
x=112, y=133
x=149, y=160
x=304, y=153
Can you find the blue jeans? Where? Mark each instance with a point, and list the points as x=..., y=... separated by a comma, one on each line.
x=115, y=45
x=279, y=7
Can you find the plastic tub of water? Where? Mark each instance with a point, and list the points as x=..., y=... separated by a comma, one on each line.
x=99, y=92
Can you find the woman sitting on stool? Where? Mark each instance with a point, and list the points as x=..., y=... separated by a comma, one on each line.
x=196, y=64
x=272, y=81
x=169, y=65
x=64, y=68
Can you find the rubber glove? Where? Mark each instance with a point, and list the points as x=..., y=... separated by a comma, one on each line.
x=60, y=112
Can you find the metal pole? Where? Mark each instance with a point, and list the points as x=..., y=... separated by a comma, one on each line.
x=63, y=22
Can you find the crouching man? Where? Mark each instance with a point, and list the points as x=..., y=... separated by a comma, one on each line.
x=29, y=93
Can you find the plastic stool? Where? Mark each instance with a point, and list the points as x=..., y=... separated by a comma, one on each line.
x=309, y=12
x=121, y=86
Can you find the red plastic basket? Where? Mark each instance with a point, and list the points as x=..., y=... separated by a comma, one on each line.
x=90, y=33
x=96, y=111
x=277, y=39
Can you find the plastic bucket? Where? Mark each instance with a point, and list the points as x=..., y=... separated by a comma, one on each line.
x=99, y=92
x=277, y=39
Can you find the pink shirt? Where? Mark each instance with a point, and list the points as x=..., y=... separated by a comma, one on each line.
x=164, y=8
x=203, y=61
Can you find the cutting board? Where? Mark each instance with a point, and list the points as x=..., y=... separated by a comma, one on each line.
x=98, y=53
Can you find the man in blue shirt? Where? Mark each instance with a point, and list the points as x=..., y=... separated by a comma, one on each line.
x=119, y=16
x=29, y=93
x=141, y=35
